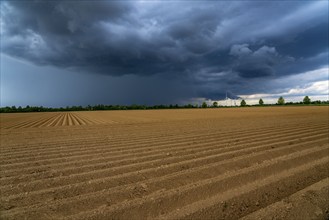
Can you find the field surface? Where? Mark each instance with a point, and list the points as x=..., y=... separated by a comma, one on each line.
x=249, y=163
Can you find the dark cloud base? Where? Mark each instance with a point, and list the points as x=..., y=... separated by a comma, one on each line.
x=212, y=47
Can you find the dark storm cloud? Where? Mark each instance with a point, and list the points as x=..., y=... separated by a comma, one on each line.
x=251, y=64
x=213, y=47
x=59, y=17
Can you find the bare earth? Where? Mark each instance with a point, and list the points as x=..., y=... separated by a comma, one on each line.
x=250, y=163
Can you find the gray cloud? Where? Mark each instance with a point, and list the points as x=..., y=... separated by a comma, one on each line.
x=214, y=47
x=251, y=64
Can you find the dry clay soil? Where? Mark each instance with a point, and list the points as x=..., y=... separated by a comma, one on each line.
x=249, y=163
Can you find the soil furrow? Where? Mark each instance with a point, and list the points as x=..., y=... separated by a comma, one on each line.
x=167, y=198
x=156, y=184
x=122, y=148
x=163, y=156
x=54, y=121
x=154, y=160
x=236, y=202
x=157, y=134
x=162, y=202
x=165, y=174
x=219, y=163
x=65, y=121
x=35, y=123
x=60, y=121
x=310, y=201
x=45, y=123
x=74, y=119
x=25, y=123
x=69, y=120
x=39, y=121
x=88, y=120
x=49, y=150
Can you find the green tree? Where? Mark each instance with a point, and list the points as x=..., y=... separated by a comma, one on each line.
x=306, y=100
x=261, y=102
x=215, y=104
x=204, y=105
x=243, y=103
x=281, y=101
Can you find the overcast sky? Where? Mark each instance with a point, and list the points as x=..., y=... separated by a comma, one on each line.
x=59, y=53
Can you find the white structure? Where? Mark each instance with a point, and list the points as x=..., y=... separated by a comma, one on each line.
x=232, y=100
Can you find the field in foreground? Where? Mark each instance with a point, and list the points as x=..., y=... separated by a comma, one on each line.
x=250, y=163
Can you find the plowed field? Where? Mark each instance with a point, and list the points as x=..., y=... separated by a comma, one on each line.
x=250, y=163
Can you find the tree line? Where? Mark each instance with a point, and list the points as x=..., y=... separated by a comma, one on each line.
x=28, y=108
x=281, y=101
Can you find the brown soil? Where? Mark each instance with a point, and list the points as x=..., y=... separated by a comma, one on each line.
x=250, y=163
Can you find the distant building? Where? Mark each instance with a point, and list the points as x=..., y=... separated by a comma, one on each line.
x=231, y=99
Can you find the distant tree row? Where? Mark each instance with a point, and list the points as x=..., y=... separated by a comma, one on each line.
x=281, y=101
x=92, y=108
